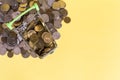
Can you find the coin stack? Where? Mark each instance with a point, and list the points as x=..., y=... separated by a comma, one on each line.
x=34, y=33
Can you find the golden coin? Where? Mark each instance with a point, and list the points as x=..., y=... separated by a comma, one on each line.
x=38, y=28
x=47, y=37
x=62, y=4
x=55, y=5
x=31, y=44
x=31, y=3
x=17, y=24
x=23, y=5
x=25, y=35
x=5, y=7
x=4, y=26
x=34, y=38
x=21, y=9
x=46, y=50
x=30, y=32
x=10, y=54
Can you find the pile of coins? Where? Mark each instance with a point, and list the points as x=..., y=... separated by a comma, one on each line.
x=34, y=33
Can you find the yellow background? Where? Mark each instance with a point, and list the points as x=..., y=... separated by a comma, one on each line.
x=89, y=48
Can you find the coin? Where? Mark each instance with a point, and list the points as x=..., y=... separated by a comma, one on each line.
x=21, y=9
x=56, y=14
x=12, y=39
x=17, y=23
x=56, y=5
x=31, y=44
x=63, y=12
x=62, y=4
x=31, y=32
x=54, y=32
x=34, y=38
x=31, y=3
x=8, y=47
x=46, y=50
x=40, y=44
x=67, y=20
x=4, y=39
x=23, y=5
x=34, y=55
x=16, y=50
x=24, y=45
x=10, y=54
x=25, y=35
x=14, y=5
x=56, y=35
x=30, y=18
x=50, y=2
x=47, y=37
x=2, y=49
x=5, y=7
x=45, y=18
x=57, y=23
x=38, y=28
x=7, y=18
x=24, y=53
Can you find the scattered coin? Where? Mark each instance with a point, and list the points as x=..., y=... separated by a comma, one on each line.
x=5, y=7
x=67, y=20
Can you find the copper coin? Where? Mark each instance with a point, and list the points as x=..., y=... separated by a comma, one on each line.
x=10, y=54
x=67, y=20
